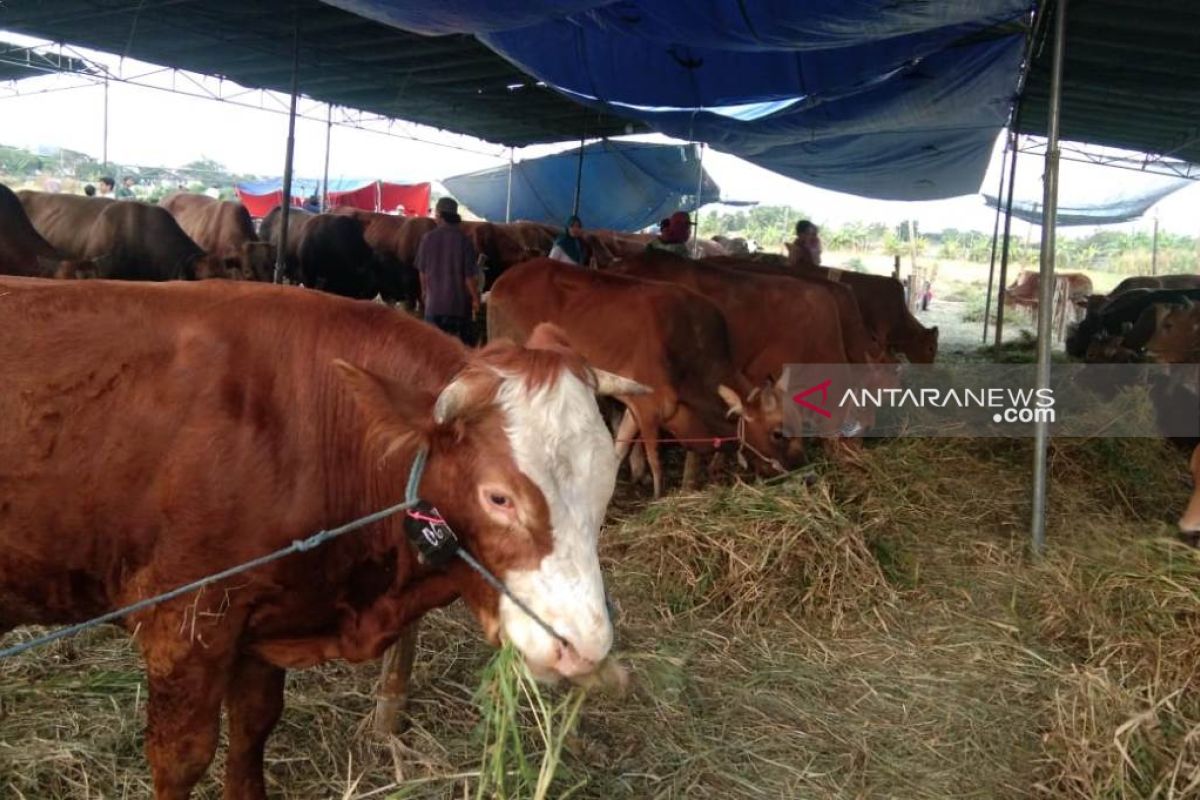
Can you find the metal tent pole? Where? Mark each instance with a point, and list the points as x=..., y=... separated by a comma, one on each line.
x=1154, y=249
x=325, y=176
x=1012, y=182
x=1046, y=298
x=105, y=151
x=987, y=302
x=285, y=214
x=508, y=199
x=699, y=192
x=578, y=179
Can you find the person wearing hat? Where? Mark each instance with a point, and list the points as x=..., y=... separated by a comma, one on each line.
x=446, y=262
x=570, y=247
x=674, y=236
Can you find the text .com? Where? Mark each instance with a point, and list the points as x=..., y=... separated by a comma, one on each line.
x=1025, y=414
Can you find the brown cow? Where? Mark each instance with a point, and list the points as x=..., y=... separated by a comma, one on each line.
x=534, y=237
x=127, y=240
x=23, y=251
x=224, y=229
x=880, y=302
x=500, y=246
x=772, y=320
x=141, y=463
x=1025, y=290
x=1176, y=332
x=666, y=337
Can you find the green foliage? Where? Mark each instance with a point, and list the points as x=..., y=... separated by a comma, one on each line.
x=153, y=183
x=770, y=226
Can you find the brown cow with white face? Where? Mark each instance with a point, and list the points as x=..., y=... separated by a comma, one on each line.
x=256, y=415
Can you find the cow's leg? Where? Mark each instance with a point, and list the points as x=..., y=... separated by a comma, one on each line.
x=691, y=469
x=650, y=438
x=637, y=463
x=183, y=714
x=626, y=431
x=716, y=466
x=253, y=702
x=391, y=697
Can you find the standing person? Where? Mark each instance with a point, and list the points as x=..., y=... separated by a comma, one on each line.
x=126, y=190
x=806, y=251
x=674, y=236
x=446, y=262
x=570, y=247
x=89, y=190
x=107, y=184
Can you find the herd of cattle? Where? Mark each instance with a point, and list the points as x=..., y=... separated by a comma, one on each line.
x=1149, y=319
x=709, y=335
x=185, y=416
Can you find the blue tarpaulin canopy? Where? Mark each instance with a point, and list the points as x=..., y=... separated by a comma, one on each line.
x=878, y=98
x=625, y=186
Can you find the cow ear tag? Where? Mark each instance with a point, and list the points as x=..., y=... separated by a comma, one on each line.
x=428, y=532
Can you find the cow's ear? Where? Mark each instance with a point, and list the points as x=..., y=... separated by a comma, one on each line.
x=736, y=409
x=548, y=336
x=397, y=418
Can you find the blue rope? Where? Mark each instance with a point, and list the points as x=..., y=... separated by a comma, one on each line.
x=411, y=498
x=297, y=546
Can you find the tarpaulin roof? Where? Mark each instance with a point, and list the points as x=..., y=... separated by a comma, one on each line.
x=1080, y=202
x=1129, y=77
x=451, y=82
x=867, y=96
x=625, y=186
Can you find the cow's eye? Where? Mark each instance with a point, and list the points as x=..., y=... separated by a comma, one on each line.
x=499, y=500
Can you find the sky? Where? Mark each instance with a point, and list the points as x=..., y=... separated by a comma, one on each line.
x=153, y=127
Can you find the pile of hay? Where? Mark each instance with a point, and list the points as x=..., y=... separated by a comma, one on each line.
x=872, y=629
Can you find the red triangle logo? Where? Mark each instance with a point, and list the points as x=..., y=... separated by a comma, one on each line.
x=823, y=388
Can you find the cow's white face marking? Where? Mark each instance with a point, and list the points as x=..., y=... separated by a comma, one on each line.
x=560, y=442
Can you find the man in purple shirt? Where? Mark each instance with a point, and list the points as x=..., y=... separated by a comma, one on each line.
x=449, y=279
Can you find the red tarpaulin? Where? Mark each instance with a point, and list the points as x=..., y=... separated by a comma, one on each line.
x=259, y=204
x=364, y=197
x=379, y=196
x=414, y=198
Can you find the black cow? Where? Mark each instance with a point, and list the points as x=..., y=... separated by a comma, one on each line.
x=1121, y=315
x=324, y=251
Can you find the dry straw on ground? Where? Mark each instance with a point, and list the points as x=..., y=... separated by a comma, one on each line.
x=872, y=629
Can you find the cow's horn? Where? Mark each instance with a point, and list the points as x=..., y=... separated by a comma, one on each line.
x=450, y=401
x=608, y=383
